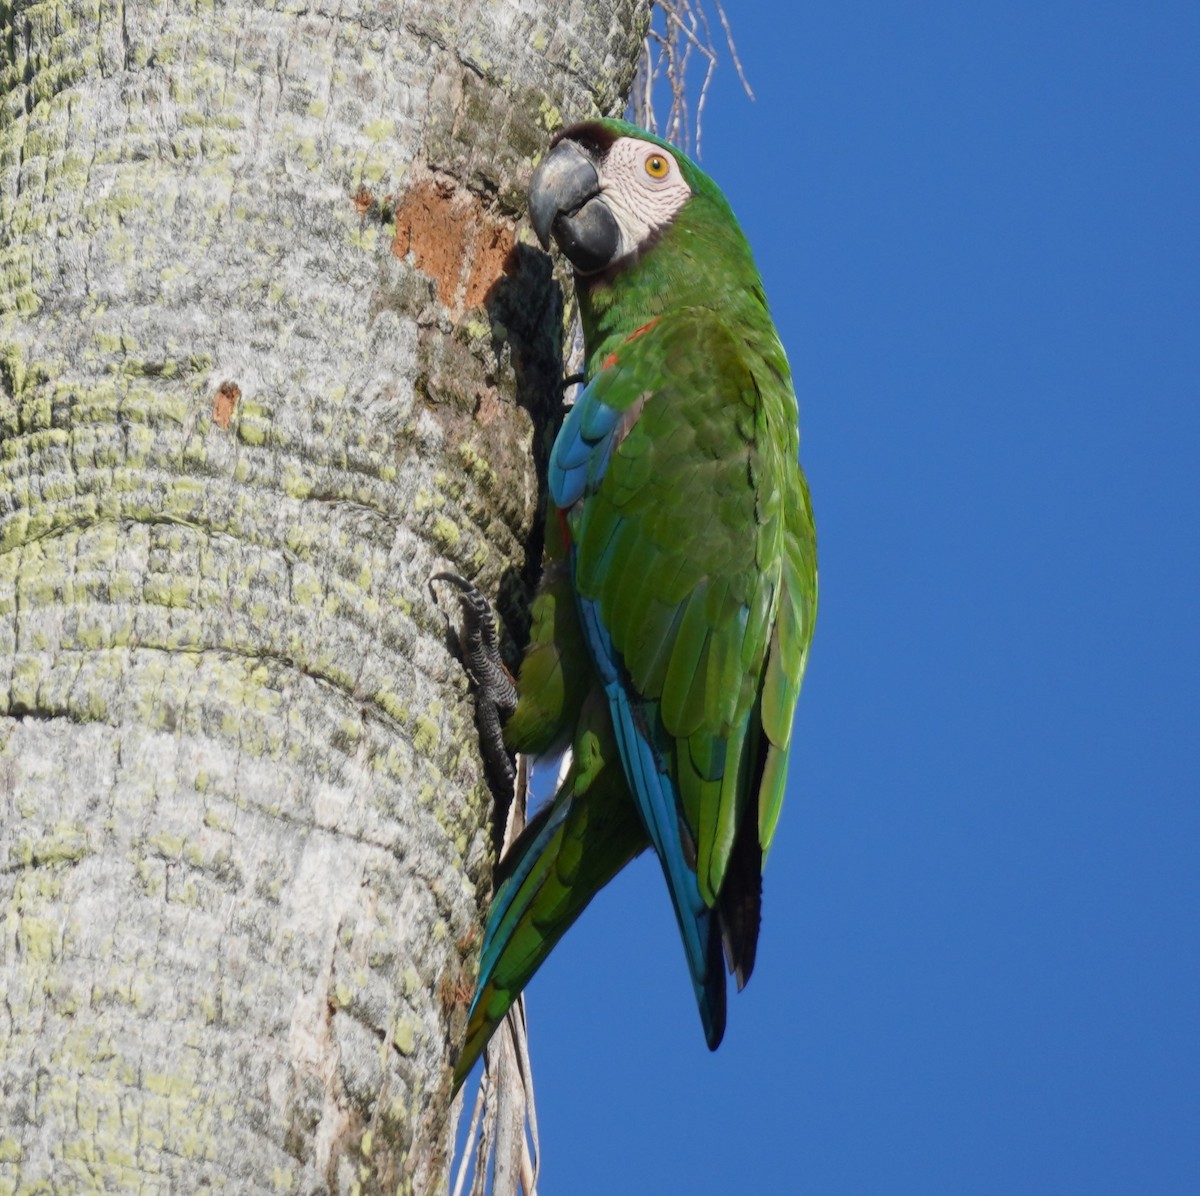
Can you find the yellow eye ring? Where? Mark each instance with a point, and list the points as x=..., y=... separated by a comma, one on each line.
x=657, y=166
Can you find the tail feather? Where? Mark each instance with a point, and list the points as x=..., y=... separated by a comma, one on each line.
x=655, y=796
x=658, y=803
x=569, y=852
x=739, y=909
x=739, y=906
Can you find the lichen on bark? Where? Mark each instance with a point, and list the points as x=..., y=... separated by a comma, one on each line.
x=243, y=828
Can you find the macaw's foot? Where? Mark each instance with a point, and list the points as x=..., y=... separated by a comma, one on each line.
x=495, y=691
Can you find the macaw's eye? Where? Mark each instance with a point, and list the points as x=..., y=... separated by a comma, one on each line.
x=656, y=166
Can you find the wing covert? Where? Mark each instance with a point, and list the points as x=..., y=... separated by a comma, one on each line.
x=676, y=507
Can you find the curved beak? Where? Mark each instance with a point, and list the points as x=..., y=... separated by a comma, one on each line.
x=565, y=201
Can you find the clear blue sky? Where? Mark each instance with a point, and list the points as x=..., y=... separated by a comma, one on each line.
x=979, y=972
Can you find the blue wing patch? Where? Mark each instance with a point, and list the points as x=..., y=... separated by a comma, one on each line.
x=583, y=446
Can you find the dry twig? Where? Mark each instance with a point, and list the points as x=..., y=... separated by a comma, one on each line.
x=678, y=29
x=504, y=1159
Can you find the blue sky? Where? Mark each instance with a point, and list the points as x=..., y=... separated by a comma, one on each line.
x=979, y=972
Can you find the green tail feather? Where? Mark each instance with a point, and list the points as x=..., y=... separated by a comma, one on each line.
x=570, y=851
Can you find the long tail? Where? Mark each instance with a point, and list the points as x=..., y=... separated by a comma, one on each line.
x=657, y=800
x=658, y=804
x=566, y=854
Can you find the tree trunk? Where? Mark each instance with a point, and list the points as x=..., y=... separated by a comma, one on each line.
x=272, y=352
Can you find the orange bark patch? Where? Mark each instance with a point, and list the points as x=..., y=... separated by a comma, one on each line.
x=494, y=257
x=455, y=240
x=224, y=402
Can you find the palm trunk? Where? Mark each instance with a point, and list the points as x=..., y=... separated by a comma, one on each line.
x=271, y=354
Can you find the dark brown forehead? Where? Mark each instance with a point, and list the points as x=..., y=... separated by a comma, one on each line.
x=589, y=133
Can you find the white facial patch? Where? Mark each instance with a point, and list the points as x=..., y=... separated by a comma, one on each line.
x=640, y=202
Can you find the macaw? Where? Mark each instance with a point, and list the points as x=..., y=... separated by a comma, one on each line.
x=674, y=616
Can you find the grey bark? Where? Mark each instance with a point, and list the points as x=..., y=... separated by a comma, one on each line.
x=272, y=352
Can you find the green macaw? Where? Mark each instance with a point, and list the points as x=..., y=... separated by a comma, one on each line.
x=676, y=609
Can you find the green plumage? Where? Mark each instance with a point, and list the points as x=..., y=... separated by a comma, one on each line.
x=599, y=835
x=692, y=553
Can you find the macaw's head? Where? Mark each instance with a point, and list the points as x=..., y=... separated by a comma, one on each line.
x=607, y=190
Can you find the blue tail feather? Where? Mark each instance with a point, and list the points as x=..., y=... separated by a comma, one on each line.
x=505, y=907
x=658, y=803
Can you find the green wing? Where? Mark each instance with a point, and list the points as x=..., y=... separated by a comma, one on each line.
x=683, y=543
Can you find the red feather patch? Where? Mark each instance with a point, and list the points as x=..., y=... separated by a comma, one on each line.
x=611, y=359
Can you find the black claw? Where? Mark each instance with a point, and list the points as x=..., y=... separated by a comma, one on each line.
x=495, y=693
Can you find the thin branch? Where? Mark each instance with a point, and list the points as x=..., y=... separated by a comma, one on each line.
x=506, y=1157
x=666, y=58
x=737, y=62
x=460, y=1177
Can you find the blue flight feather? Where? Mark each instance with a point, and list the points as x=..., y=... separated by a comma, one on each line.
x=658, y=804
